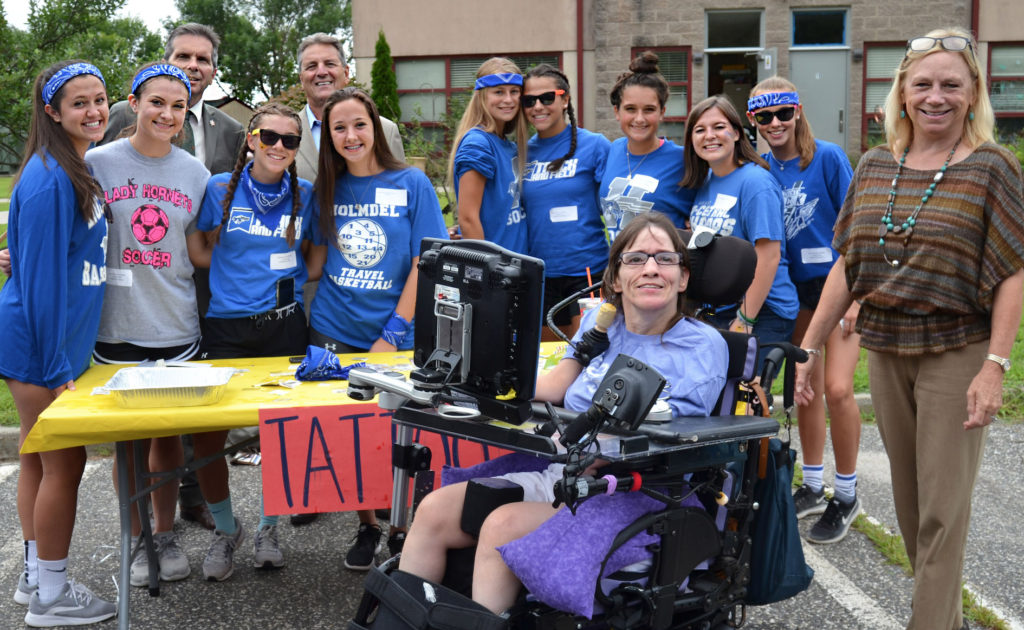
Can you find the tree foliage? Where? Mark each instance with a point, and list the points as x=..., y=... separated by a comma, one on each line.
x=260, y=39
x=385, y=84
x=65, y=29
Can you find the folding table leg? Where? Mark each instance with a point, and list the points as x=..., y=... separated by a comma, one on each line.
x=124, y=505
x=142, y=492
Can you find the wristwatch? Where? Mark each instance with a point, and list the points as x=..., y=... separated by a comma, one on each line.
x=1002, y=361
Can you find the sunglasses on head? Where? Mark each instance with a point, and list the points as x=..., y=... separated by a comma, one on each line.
x=954, y=43
x=547, y=98
x=764, y=116
x=270, y=138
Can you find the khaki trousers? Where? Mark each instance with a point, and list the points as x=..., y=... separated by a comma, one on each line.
x=920, y=405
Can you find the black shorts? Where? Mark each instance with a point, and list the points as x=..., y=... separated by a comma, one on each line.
x=277, y=333
x=330, y=344
x=108, y=353
x=557, y=289
x=809, y=292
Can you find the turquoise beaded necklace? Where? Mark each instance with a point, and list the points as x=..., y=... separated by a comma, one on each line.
x=907, y=227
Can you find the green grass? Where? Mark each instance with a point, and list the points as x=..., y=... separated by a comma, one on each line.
x=5, y=193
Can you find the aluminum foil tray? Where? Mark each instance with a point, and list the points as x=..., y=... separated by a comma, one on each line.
x=141, y=387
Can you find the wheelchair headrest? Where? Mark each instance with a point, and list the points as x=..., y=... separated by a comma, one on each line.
x=720, y=270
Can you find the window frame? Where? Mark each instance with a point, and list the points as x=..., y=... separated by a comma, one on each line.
x=866, y=116
x=450, y=91
x=990, y=79
x=845, y=44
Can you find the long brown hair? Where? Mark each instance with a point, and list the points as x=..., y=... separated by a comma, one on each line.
x=697, y=167
x=45, y=135
x=548, y=71
x=639, y=223
x=268, y=109
x=332, y=165
x=805, y=146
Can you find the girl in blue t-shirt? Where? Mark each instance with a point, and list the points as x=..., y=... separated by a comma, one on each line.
x=50, y=312
x=561, y=194
x=373, y=213
x=484, y=166
x=737, y=196
x=258, y=221
x=814, y=175
x=643, y=170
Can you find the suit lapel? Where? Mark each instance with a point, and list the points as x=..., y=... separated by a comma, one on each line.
x=308, y=157
x=211, y=135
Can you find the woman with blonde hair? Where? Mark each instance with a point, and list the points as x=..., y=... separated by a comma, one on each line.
x=485, y=167
x=814, y=176
x=931, y=242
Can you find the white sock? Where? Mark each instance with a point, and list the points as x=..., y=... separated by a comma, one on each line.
x=53, y=574
x=813, y=476
x=846, y=487
x=31, y=563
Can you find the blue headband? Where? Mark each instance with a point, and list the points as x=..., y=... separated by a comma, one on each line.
x=67, y=73
x=770, y=99
x=498, y=78
x=157, y=70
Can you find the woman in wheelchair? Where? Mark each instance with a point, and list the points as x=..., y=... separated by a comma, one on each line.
x=646, y=280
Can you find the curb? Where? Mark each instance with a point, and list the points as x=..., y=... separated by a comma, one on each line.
x=9, y=446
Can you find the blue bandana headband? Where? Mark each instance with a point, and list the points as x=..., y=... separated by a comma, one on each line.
x=67, y=73
x=770, y=99
x=161, y=69
x=498, y=78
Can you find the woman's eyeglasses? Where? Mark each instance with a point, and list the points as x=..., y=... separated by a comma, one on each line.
x=954, y=43
x=640, y=258
x=270, y=138
x=764, y=117
x=547, y=98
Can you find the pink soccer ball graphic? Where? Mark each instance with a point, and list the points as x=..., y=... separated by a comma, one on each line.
x=149, y=224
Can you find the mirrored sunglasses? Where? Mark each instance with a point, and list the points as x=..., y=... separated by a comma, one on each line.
x=270, y=138
x=547, y=98
x=953, y=43
x=640, y=258
x=764, y=116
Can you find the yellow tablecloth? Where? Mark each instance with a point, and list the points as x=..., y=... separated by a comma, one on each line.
x=80, y=417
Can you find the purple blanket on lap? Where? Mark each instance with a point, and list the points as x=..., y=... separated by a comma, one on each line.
x=513, y=462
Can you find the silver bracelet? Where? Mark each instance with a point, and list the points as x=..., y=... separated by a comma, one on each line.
x=814, y=351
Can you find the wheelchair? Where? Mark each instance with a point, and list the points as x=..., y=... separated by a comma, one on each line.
x=703, y=471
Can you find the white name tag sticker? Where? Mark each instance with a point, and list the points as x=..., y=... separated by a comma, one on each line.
x=644, y=182
x=119, y=277
x=283, y=261
x=392, y=197
x=563, y=214
x=811, y=255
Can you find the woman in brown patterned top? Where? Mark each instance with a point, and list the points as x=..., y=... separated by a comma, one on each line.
x=931, y=236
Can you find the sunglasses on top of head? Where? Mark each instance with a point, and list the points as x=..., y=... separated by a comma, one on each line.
x=764, y=117
x=547, y=98
x=270, y=138
x=953, y=43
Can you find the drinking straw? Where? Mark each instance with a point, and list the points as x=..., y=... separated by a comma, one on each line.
x=590, y=282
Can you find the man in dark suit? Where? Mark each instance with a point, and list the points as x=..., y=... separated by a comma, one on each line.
x=216, y=140
x=217, y=136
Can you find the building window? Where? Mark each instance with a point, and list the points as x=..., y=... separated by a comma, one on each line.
x=431, y=87
x=880, y=63
x=1006, y=88
x=674, y=64
x=819, y=27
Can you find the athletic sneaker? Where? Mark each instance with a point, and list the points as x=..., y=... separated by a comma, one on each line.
x=24, y=592
x=807, y=501
x=219, y=563
x=835, y=523
x=75, y=606
x=171, y=559
x=266, y=553
x=368, y=544
x=395, y=543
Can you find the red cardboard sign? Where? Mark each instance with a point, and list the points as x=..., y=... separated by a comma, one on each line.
x=337, y=458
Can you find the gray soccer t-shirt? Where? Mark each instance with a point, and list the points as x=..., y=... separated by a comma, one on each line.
x=150, y=299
